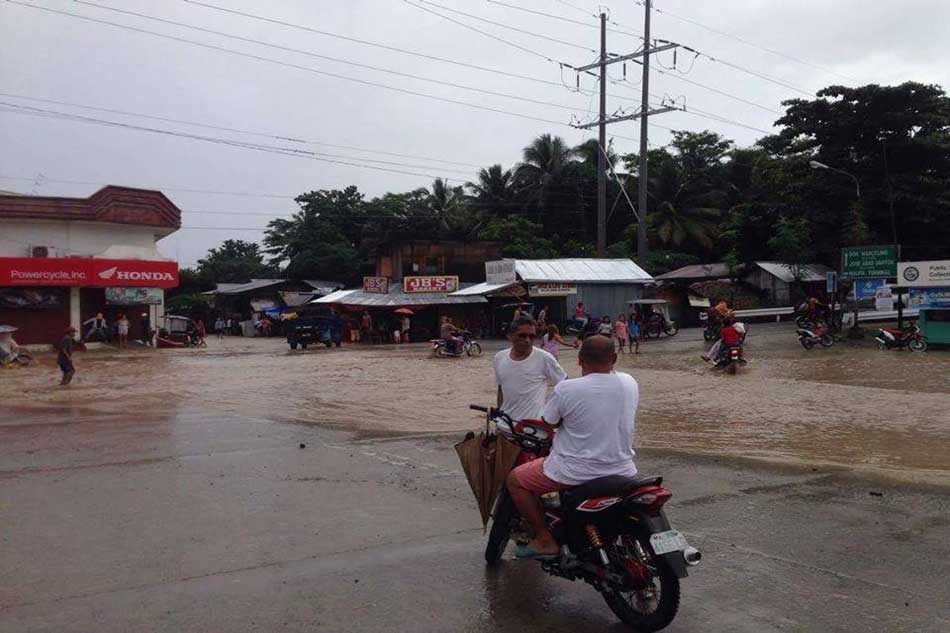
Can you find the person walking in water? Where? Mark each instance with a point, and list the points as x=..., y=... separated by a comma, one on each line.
x=552, y=342
x=122, y=329
x=64, y=355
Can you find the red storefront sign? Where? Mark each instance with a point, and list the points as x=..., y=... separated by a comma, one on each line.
x=377, y=285
x=433, y=283
x=77, y=271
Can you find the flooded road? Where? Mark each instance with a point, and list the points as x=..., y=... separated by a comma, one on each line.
x=852, y=407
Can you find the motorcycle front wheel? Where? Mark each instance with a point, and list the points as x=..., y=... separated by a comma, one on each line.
x=672, y=329
x=827, y=340
x=651, y=608
x=807, y=343
x=500, y=532
x=474, y=350
x=918, y=345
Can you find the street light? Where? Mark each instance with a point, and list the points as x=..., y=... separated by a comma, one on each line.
x=814, y=164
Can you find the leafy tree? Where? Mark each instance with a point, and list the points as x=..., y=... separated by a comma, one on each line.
x=494, y=192
x=792, y=244
x=547, y=179
x=235, y=261
x=521, y=238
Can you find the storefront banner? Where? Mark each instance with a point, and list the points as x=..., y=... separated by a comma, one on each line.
x=78, y=271
x=552, y=289
x=376, y=285
x=31, y=299
x=134, y=296
x=930, y=298
x=500, y=272
x=922, y=274
x=433, y=283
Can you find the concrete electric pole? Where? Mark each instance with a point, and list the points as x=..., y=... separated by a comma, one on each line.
x=602, y=122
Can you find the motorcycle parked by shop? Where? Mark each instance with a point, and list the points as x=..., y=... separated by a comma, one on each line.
x=467, y=347
x=612, y=531
x=893, y=338
x=820, y=334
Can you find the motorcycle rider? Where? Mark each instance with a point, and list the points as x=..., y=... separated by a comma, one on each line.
x=523, y=372
x=595, y=415
x=447, y=333
x=728, y=337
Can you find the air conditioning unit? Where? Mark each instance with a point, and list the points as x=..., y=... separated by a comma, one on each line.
x=39, y=251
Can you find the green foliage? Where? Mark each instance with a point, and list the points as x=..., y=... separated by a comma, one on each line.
x=521, y=238
x=187, y=304
x=235, y=261
x=792, y=244
x=659, y=262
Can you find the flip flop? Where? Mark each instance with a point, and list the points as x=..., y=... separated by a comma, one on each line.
x=525, y=552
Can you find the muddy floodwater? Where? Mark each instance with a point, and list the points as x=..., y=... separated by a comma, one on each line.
x=851, y=406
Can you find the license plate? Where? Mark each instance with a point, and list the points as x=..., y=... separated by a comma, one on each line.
x=666, y=542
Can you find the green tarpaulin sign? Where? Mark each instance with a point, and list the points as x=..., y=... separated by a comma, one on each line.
x=862, y=262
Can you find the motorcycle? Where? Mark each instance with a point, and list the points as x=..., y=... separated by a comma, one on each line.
x=821, y=334
x=730, y=358
x=468, y=347
x=891, y=338
x=581, y=332
x=612, y=531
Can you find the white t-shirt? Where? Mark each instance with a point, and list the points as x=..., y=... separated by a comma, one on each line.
x=597, y=414
x=524, y=382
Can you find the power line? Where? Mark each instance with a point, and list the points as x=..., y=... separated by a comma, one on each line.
x=506, y=26
x=561, y=18
x=40, y=112
x=277, y=137
x=299, y=67
x=246, y=194
x=328, y=58
x=742, y=40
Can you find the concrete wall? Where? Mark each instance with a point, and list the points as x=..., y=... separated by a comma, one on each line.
x=66, y=239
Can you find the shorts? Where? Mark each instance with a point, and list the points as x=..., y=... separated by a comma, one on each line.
x=531, y=477
x=65, y=365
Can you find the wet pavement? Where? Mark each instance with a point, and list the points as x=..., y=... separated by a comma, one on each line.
x=168, y=492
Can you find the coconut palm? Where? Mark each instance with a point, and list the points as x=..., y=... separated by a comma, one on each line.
x=678, y=215
x=494, y=191
x=547, y=178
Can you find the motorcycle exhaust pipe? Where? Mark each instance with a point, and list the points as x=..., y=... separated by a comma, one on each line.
x=692, y=556
x=880, y=340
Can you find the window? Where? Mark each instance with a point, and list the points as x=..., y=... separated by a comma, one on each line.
x=432, y=266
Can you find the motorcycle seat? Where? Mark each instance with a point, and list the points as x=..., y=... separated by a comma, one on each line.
x=609, y=486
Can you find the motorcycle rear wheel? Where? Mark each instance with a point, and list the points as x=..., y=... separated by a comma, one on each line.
x=666, y=607
x=672, y=329
x=827, y=340
x=500, y=532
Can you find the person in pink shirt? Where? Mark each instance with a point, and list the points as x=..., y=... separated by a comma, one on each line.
x=620, y=331
x=552, y=342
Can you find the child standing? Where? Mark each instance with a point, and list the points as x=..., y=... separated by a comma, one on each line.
x=620, y=332
x=633, y=327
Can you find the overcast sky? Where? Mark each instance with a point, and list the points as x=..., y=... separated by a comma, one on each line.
x=62, y=58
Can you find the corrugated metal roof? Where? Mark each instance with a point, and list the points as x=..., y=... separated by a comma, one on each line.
x=254, y=284
x=323, y=286
x=581, y=270
x=696, y=271
x=394, y=299
x=809, y=273
x=480, y=289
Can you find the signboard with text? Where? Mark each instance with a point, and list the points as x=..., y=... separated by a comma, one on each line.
x=552, y=289
x=866, y=288
x=861, y=262
x=376, y=285
x=500, y=272
x=923, y=274
x=134, y=296
x=430, y=283
x=80, y=271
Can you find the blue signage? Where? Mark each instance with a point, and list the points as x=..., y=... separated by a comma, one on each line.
x=930, y=298
x=865, y=288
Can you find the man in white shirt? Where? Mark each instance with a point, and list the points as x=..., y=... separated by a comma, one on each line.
x=523, y=372
x=596, y=415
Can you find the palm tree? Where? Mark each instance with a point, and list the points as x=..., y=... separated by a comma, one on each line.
x=494, y=192
x=455, y=218
x=678, y=215
x=545, y=176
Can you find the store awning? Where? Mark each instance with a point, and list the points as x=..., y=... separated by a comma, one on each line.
x=698, y=302
x=481, y=289
x=395, y=298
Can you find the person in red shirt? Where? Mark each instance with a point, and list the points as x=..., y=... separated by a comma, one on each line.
x=729, y=335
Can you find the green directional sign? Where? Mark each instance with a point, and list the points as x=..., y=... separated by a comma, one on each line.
x=863, y=262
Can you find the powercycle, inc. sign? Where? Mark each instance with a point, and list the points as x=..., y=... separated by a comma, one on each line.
x=77, y=271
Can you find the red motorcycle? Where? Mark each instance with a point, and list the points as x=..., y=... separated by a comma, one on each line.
x=612, y=531
x=893, y=338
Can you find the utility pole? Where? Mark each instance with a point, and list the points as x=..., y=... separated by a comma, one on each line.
x=643, y=248
x=602, y=122
x=602, y=139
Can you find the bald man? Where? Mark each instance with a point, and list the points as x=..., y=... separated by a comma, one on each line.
x=596, y=415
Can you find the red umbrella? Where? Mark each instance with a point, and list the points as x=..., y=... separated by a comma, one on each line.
x=403, y=311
